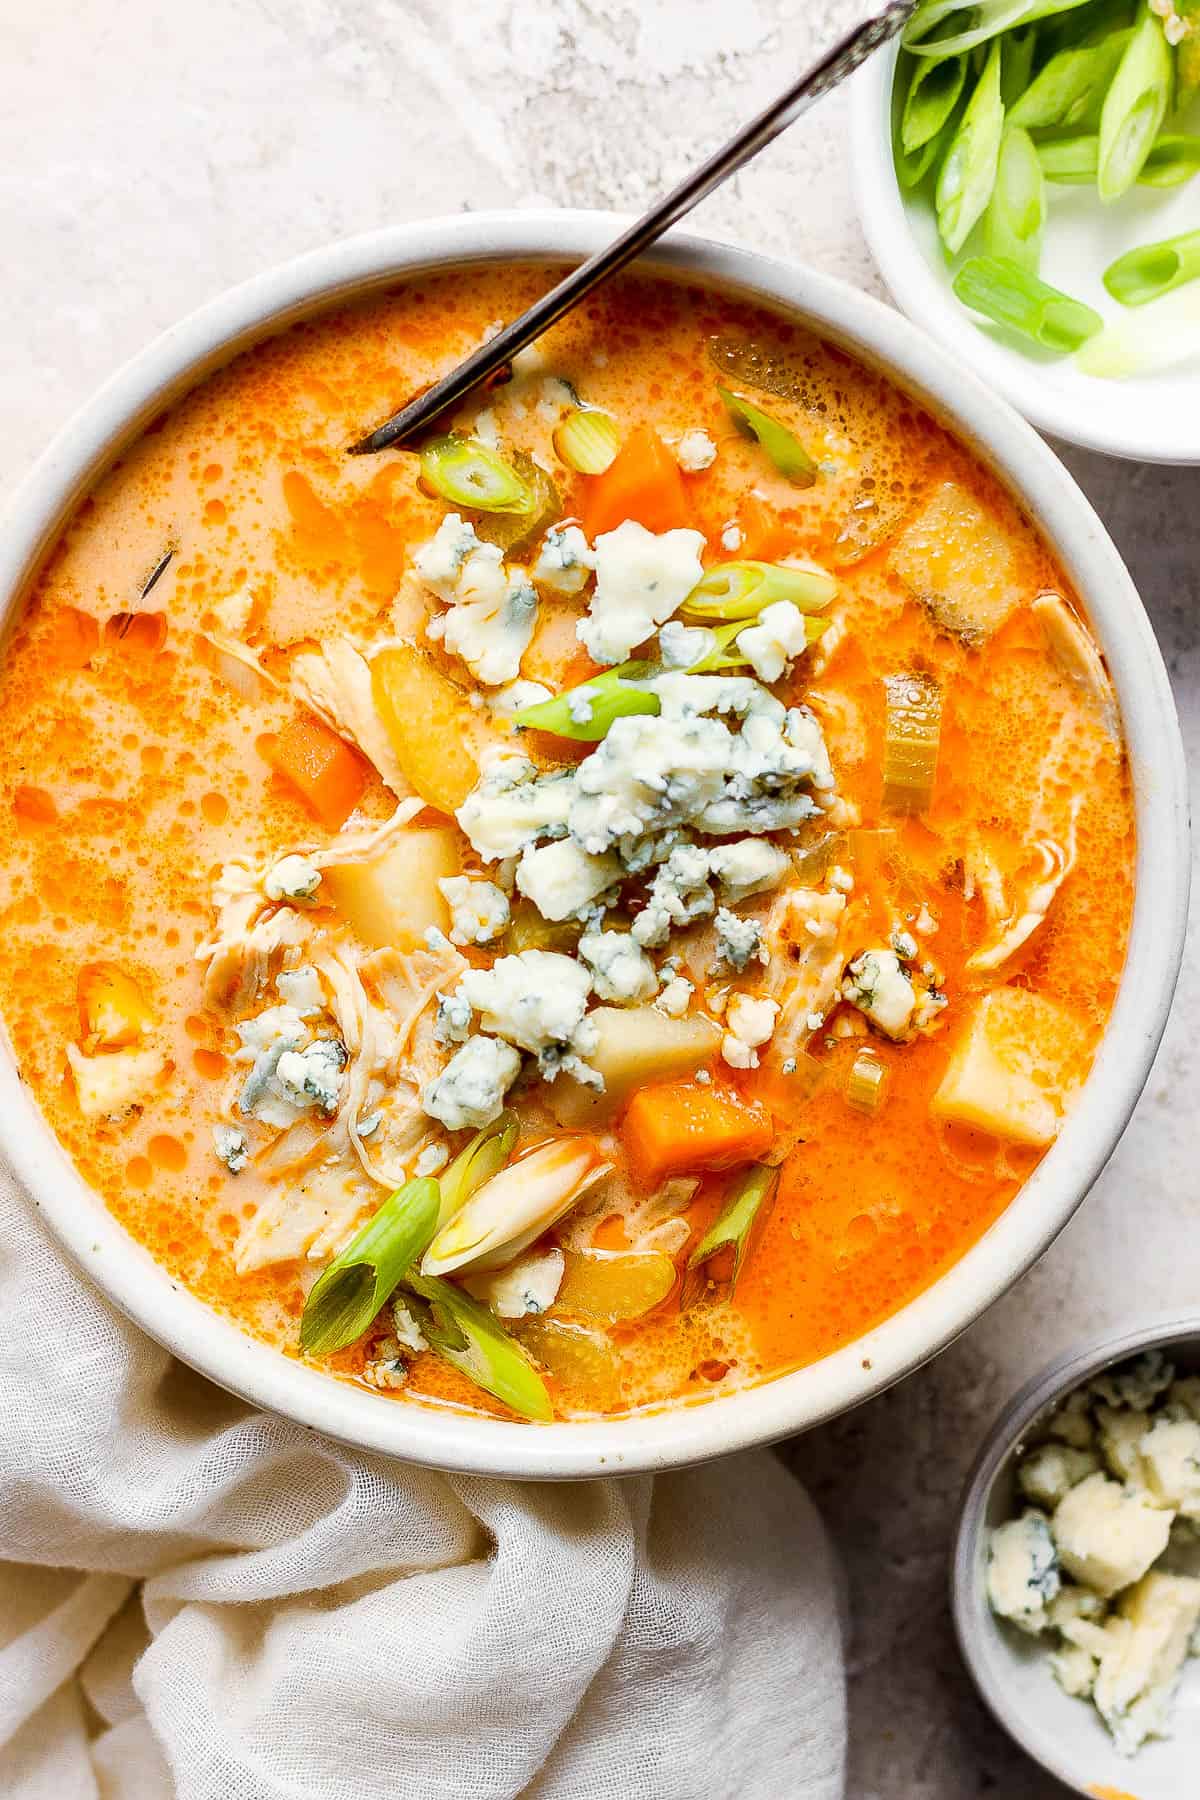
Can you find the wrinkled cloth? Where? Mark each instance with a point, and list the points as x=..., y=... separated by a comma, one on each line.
x=205, y=1601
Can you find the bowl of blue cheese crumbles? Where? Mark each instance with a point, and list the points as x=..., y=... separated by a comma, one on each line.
x=1077, y=1568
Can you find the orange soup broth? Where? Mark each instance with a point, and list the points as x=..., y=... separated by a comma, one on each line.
x=129, y=772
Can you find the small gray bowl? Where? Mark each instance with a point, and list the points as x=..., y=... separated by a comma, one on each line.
x=1011, y=1671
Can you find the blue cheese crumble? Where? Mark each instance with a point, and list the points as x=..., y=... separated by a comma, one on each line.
x=642, y=577
x=738, y=940
x=492, y=609
x=536, y=1000
x=469, y=1092
x=621, y=970
x=479, y=912
x=565, y=560
x=292, y=878
x=231, y=1147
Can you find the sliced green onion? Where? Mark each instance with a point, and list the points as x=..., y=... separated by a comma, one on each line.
x=1070, y=89
x=968, y=174
x=726, y=655
x=987, y=19
x=740, y=590
x=911, y=742
x=1016, y=64
x=1003, y=291
x=585, y=713
x=1134, y=107
x=1187, y=69
x=1154, y=269
x=465, y=1334
x=733, y=1229
x=1174, y=158
x=865, y=1084
x=781, y=445
x=513, y=532
x=1070, y=161
x=587, y=441
x=932, y=96
x=477, y=1162
x=467, y=473
x=1015, y=220
x=358, y=1281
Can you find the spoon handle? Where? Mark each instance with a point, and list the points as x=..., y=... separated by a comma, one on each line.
x=812, y=86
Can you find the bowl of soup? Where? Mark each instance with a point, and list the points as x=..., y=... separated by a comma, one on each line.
x=604, y=937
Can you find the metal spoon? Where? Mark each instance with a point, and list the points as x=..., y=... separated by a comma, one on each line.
x=832, y=69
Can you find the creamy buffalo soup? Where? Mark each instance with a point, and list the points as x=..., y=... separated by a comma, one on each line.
x=587, y=913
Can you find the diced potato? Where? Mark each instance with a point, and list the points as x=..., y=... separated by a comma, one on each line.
x=583, y=1360
x=614, y=1284
x=113, y=1011
x=107, y=1086
x=957, y=561
x=437, y=734
x=1014, y=1069
x=394, y=898
x=637, y=1044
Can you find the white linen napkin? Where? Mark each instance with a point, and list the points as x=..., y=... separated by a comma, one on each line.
x=207, y=1602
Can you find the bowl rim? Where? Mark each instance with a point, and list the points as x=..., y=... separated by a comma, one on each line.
x=663, y=1438
x=918, y=293
x=973, y=1619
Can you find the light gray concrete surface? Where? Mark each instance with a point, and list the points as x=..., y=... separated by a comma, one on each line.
x=151, y=154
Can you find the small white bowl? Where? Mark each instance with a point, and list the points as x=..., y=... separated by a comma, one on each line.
x=449, y=1439
x=1012, y=1671
x=1147, y=418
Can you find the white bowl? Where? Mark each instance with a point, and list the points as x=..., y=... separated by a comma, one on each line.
x=1012, y=1672
x=448, y=1439
x=1148, y=418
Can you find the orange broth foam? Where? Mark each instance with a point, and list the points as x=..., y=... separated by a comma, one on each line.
x=129, y=773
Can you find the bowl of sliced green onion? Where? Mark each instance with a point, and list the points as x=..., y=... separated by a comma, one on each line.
x=1025, y=176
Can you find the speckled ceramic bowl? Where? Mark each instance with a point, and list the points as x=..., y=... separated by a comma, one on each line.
x=1011, y=1670
x=792, y=1402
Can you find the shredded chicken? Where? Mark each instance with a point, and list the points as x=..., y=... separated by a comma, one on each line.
x=804, y=934
x=1014, y=923
x=1073, y=648
x=314, y=1219
x=335, y=681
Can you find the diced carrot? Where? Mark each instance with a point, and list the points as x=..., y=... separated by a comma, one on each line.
x=642, y=482
x=766, y=533
x=678, y=1127
x=326, y=773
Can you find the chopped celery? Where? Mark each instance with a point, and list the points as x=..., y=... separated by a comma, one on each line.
x=1016, y=216
x=864, y=1088
x=587, y=441
x=477, y=1162
x=745, y=1206
x=586, y=712
x=465, y=1334
x=912, y=740
x=932, y=97
x=467, y=473
x=1070, y=90
x=514, y=532
x=781, y=445
x=1154, y=269
x=1134, y=106
x=357, y=1282
x=968, y=174
x=740, y=590
x=1003, y=291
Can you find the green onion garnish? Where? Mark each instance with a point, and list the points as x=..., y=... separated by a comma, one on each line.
x=586, y=712
x=1174, y=158
x=1015, y=220
x=1154, y=269
x=1070, y=90
x=477, y=1162
x=1008, y=294
x=987, y=18
x=932, y=97
x=467, y=473
x=358, y=1281
x=1134, y=106
x=587, y=440
x=745, y=1206
x=740, y=590
x=781, y=445
x=1072, y=161
x=465, y=1334
x=968, y=174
